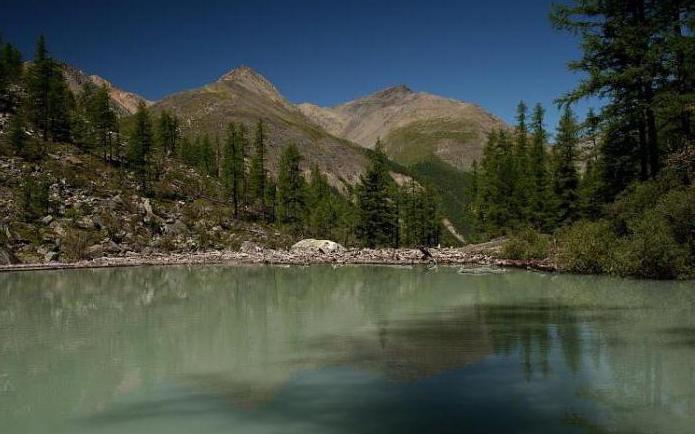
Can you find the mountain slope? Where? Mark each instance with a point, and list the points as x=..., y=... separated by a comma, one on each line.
x=125, y=103
x=413, y=126
x=243, y=95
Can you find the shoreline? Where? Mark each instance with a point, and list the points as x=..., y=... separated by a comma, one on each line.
x=443, y=256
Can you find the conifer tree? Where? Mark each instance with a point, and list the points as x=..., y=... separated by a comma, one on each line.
x=521, y=183
x=49, y=100
x=105, y=122
x=291, y=200
x=565, y=176
x=16, y=135
x=538, y=170
x=377, y=215
x=243, y=145
x=270, y=200
x=498, y=205
x=207, y=156
x=257, y=173
x=321, y=208
x=140, y=145
x=233, y=167
x=38, y=88
x=11, y=68
x=168, y=132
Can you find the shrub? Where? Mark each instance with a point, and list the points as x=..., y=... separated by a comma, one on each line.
x=586, y=247
x=651, y=250
x=74, y=244
x=33, y=197
x=527, y=244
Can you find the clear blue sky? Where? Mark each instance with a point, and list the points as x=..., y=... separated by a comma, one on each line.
x=493, y=53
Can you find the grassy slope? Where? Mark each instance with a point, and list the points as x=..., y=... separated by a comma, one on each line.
x=452, y=186
x=418, y=141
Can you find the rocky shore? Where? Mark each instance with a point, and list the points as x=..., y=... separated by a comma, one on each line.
x=254, y=254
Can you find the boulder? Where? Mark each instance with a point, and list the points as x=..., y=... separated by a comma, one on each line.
x=250, y=247
x=47, y=220
x=175, y=229
x=86, y=222
x=317, y=246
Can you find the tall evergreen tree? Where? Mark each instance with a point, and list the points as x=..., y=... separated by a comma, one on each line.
x=637, y=54
x=322, y=211
x=104, y=121
x=538, y=170
x=291, y=189
x=168, y=132
x=565, y=176
x=140, y=145
x=522, y=180
x=11, y=69
x=270, y=200
x=377, y=220
x=48, y=99
x=498, y=205
x=233, y=167
x=257, y=173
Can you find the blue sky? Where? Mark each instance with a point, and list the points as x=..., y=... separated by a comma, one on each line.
x=493, y=53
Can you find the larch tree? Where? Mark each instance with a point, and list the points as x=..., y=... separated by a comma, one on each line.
x=291, y=189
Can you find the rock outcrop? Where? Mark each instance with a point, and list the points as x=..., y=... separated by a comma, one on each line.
x=311, y=245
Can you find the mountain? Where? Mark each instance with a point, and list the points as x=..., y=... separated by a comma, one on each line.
x=125, y=103
x=413, y=126
x=243, y=95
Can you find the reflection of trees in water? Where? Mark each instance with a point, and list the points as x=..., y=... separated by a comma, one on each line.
x=87, y=336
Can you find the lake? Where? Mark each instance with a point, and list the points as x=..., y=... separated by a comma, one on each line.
x=214, y=349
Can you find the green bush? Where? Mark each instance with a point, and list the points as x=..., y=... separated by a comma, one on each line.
x=33, y=197
x=586, y=247
x=74, y=245
x=527, y=244
x=651, y=251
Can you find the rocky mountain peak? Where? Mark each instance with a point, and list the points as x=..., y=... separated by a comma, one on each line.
x=394, y=92
x=250, y=79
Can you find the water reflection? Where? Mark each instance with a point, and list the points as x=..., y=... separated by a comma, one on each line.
x=355, y=349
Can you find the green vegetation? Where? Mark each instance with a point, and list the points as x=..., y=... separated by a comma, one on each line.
x=417, y=141
x=617, y=189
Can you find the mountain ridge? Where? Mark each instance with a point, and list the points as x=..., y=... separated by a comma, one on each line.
x=413, y=126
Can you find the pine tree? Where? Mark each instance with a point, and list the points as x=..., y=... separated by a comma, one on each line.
x=257, y=174
x=11, y=69
x=38, y=88
x=637, y=54
x=206, y=156
x=168, y=132
x=522, y=181
x=233, y=167
x=323, y=216
x=140, y=145
x=565, y=176
x=104, y=121
x=16, y=135
x=48, y=101
x=538, y=171
x=498, y=205
x=291, y=201
x=270, y=200
x=377, y=219
x=243, y=145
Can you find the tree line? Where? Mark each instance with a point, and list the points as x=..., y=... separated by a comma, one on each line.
x=375, y=213
x=616, y=190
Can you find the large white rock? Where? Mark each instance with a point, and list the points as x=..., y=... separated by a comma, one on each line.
x=312, y=245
